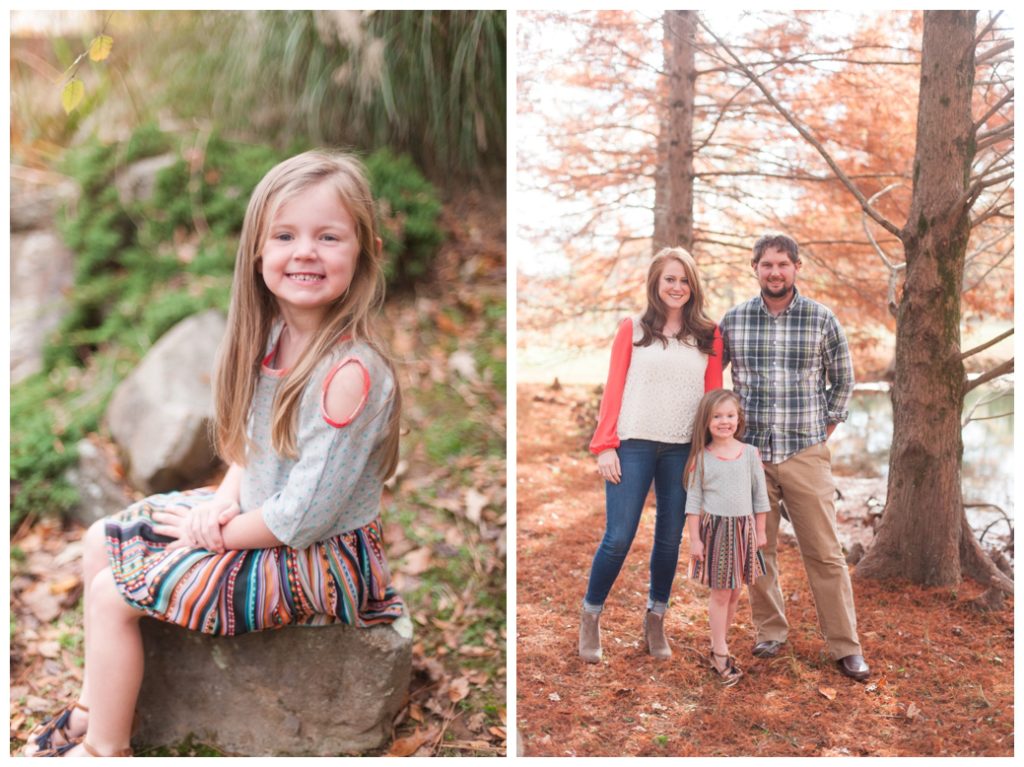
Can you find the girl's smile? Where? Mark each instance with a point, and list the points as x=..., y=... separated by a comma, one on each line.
x=724, y=420
x=311, y=251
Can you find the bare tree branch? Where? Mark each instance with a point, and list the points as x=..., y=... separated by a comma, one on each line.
x=987, y=344
x=991, y=213
x=1000, y=393
x=806, y=134
x=987, y=139
x=1001, y=369
x=991, y=53
x=894, y=268
x=993, y=110
x=988, y=27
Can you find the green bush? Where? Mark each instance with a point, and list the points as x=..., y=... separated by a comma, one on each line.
x=143, y=266
x=408, y=207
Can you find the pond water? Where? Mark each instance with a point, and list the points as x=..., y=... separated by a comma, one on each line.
x=861, y=448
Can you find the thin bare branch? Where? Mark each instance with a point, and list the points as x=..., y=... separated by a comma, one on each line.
x=987, y=344
x=991, y=53
x=991, y=213
x=999, y=370
x=992, y=110
x=894, y=269
x=987, y=139
x=988, y=27
x=805, y=133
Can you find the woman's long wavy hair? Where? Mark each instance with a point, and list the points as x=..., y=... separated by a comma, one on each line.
x=696, y=324
x=702, y=430
x=254, y=309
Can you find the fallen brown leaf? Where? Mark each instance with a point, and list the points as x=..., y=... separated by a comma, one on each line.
x=65, y=584
x=42, y=604
x=458, y=689
x=411, y=743
x=828, y=692
x=416, y=562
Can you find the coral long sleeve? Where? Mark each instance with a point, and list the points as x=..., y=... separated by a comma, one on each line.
x=713, y=374
x=606, y=435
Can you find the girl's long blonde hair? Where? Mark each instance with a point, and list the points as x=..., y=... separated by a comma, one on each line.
x=702, y=431
x=696, y=323
x=254, y=309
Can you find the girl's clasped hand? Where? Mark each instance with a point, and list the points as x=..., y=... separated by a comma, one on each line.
x=198, y=527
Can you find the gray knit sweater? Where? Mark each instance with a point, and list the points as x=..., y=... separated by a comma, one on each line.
x=729, y=487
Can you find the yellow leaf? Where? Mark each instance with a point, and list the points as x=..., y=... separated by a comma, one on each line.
x=71, y=96
x=100, y=47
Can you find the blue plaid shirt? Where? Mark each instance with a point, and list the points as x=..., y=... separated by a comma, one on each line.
x=793, y=373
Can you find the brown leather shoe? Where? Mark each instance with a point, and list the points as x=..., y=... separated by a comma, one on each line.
x=854, y=667
x=767, y=649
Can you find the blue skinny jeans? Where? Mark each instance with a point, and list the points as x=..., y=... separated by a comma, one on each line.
x=642, y=462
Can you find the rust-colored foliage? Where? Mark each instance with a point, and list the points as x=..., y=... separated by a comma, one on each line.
x=592, y=94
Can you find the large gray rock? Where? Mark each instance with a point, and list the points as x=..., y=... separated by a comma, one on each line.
x=41, y=276
x=36, y=196
x=137, y=182
x=100, y=494
x=161, y=414
x=300, y=691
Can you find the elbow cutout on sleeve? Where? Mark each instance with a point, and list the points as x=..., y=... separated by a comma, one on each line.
x=344, y=399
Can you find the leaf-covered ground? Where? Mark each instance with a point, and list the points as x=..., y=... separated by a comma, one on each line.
x=942, y=681
x=444, y=524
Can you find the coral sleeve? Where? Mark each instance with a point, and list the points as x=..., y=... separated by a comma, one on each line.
x=606, y=436
x=713, y=372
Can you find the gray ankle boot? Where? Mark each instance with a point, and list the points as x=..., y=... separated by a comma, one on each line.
x=590, y=636
x=654, y=635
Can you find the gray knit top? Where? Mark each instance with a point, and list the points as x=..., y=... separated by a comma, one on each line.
x=729, y=487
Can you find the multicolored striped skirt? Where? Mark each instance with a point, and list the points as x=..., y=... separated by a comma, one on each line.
x=731, y=557
x=342, y=579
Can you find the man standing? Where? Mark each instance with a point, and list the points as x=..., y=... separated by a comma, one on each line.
x=791, y=367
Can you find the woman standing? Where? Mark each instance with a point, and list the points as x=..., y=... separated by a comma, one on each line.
x=662, y=364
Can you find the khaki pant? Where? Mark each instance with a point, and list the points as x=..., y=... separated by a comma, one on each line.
x=804, y=482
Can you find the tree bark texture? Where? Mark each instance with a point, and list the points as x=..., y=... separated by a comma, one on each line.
x=677, y=143
x=920, y=534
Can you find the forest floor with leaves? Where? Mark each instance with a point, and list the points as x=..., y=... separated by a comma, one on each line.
x=445, y=518
x=942, y=672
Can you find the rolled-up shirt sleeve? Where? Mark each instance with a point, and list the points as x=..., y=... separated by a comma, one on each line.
x=331, y=462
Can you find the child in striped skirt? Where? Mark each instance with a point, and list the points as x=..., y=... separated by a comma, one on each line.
x=307, y=408
x=726, y=512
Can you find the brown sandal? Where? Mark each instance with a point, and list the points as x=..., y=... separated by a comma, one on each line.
x=93, y=752
x=728, y=676
x=58, y=724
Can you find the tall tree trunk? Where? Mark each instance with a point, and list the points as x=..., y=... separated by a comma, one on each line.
x=920, y=534
x=674, y=206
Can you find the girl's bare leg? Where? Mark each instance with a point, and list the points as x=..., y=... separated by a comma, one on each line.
x=113, y=666
x=718, y=617
x=734, y=602
x=94, y=559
